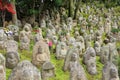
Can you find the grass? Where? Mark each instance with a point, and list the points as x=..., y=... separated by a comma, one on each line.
x=60, y=74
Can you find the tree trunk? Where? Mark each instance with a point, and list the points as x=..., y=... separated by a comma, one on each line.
x=14, y=16
x=3, y=18
x=70, y=13
x=76, y=8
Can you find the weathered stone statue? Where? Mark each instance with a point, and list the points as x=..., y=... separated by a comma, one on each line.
x=97, y=48
x=24, y=41
x=2, y=67
x=87, y=41
x=77, y=45
x=69, y=24
x=107, y=27
x=89, y=59
x=110, y=72
x=12, y=59
x=55, y=39
x=98, y=37
x=25, y=71
x=38, y=36
x=113, y=55
x=48, y=70
x=76, y=70
x=28, y=30
x=43, y=23
x=68, y=58
x=15, y=30
x=82, y=43
x=104, y=52
x=3, y=38
x=11, y=46
x=41, y=53
x=71, y=41
x=61, y=50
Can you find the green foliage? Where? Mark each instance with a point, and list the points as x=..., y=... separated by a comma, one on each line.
x=58, y=2
x=8, y=72
x=115, y=30
x=33, y=11
x=60, y=74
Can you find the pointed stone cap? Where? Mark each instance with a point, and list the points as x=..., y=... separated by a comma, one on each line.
x=48, y=65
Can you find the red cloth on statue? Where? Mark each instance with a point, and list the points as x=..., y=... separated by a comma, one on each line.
x=7, y=6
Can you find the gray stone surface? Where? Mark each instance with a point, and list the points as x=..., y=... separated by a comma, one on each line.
x=3, y=38
x=12, y=59
x=25, y=71
x=24, y=41
x=2, y=68
x=48, y=70
x=89, y=59
x=61, y=50
x=76, y=70
x=104, y=54
x=41, y=53
x=110, y=72
x=97, y=48
x=11, y=46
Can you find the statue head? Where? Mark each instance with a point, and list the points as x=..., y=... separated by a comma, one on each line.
x=74, y=57
x=12, y=59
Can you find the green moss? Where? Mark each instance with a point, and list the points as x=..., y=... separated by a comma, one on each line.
x=8, y=72
x=60, y=74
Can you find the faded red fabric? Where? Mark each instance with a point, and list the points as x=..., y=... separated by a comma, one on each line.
x=7, y=6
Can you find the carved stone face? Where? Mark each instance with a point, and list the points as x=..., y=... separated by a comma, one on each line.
x=74, y=57
x=40, y=50
x=113, y=73
x=92, y=54
x=12, y=59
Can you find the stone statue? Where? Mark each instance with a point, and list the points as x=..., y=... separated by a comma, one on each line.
x=28, y=30
x=55, y=39
x=48, y=70
x=41, y=53
x=104, y=52
x=97, y=48
x=3, y=38
x=110, y=72
x=38, y=36
x=107, y=27
x=98, y=37
x=61, y=50
x=15, y=30
x=89, y=59
x=2, y=68
x=43, y=23
x=76, y=70
x=11, y=46
x=12, y=59
x=113, y=55
x=68, y=58
x=25, y=71
x=24, y=41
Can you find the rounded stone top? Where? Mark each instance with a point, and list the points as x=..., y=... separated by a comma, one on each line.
x=48, y=65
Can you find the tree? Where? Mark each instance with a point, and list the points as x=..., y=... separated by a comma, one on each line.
x=5, y=5
x=70, y=9
x=14, y=16
x=77, y=8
